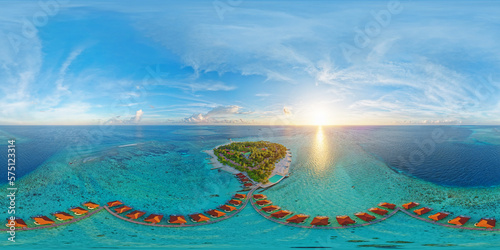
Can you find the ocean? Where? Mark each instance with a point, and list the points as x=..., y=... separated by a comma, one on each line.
x=336, y=170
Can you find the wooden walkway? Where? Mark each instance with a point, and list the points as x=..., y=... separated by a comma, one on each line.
x=447, y=225
x=369, y=223
x=95, y=211
x=319, y=227
x=250, y=199
x=249, y=195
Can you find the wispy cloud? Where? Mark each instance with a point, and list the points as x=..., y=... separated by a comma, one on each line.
x=220, y=114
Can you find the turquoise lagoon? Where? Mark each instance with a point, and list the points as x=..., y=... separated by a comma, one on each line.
x=334, y=171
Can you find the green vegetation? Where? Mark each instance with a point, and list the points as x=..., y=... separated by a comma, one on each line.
x=255, y=158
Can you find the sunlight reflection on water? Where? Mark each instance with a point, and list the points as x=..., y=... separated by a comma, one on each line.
x=320, y=152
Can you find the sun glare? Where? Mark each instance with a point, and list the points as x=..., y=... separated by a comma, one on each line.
x=320, y=116
x=319, y=119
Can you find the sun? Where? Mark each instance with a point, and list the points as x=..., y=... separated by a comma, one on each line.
x=320, y=118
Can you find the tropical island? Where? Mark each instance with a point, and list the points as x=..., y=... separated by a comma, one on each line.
x=258, y=159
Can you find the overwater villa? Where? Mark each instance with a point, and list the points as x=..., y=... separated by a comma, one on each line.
x=135, y=215
x=270, y=208
x=63, y=216
x=216, y=213
x=114, y=203
x=486, y=222
x=438, y=216
x=78, y=211
x=320, y=221
x=227, y=208
x=364, y=216
x=235, y=202
x=43, y=220
x=378, y=211
x=154, y=218
x=298, y=218
x=240, y=196
x=177, y=219
x=423, y=210
x=259, y=196
x=459, y=220
x=387, y=205
x=281, y=214
x=91, y=205
x=199, y=218
x=263, y=202
x=122, y=209
x=345, y=220
x=410, y=205
x=17, y=223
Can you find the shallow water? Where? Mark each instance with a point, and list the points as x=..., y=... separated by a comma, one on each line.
x=335, y=171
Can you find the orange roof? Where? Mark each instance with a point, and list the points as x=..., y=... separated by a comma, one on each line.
x=486, y=222
x=298, y=218
x=345, y=220
x=114, y=203
x=79, y=210
x=91, y=205
x=248, y=184
x=281, y=214
x=459, y=220
x=227, y=208
x=410, y=205
x=320, y=221
x=135, y=215
x=244, y=179
x=63, y=216
x=270, y=208
x=438, y=216
x=259, y=196
x=235, y=202
x=17, y=223
x=154, y=218
x=122, y=209
x=378, y=211
x=199, y=217
x=43, y=220
x=240, y=196
x=177, y=219
x=365, y=216
x=263, y=202
x=423, y=210
x=387, y=205
x=216, y=213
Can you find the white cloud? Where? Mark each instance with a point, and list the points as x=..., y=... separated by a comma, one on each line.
x=214, y=115
x=287, y=111
x=116, y=120
x=138, y=116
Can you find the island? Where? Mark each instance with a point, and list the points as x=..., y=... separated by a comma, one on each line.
x=262, y=161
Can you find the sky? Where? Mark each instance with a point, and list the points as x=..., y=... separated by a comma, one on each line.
x=249, y=62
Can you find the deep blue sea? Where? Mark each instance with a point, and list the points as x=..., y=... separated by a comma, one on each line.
x=335, y=171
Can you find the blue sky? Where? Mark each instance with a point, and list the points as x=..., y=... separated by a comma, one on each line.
x=250, y=62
